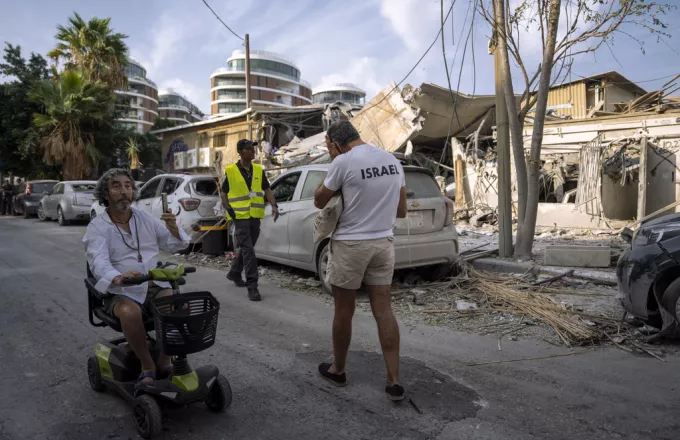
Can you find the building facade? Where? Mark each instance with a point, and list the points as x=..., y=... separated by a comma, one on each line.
x=274, y=82
x=138, y=104
x=340, y=92
x=174, y=106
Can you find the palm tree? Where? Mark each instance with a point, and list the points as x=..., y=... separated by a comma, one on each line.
x=132, y=150
x=72, y=108
x=93, y=47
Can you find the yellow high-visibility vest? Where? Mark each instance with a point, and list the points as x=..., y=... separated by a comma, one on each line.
x=246, y=203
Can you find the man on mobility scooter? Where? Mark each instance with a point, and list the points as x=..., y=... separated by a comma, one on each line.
x=124, y=242
x=127, y=291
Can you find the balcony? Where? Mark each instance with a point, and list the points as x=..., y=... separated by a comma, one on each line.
x=173, y=106
x=143, y=80
x=224, y=70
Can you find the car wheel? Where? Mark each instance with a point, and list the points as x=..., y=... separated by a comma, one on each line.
x=41, y=214
x=26, y=214
x=671, y=299
x=322, y=269
x=435, y=272
x=60, y=217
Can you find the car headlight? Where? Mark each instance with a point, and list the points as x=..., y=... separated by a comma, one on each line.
x=655, y=234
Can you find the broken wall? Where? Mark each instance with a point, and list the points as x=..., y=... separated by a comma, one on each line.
x=619, y=202
x=662, y=175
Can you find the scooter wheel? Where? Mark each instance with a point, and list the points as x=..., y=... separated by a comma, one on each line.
x=148, y=416
x=219, y=397
x=94, y=375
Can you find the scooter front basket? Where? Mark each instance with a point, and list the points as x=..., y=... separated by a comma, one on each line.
x=185, y=323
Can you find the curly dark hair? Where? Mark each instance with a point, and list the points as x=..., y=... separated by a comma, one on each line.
x=101, y=191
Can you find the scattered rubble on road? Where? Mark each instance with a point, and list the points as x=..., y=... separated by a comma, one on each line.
x=561, y=311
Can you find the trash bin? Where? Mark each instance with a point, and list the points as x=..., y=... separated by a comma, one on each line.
x=215, y=239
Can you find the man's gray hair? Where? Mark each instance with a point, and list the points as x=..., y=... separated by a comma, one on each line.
x=342, y=132
x=101, y=191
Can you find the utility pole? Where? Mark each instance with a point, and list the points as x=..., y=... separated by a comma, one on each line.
x=248, y=101
x=502, y=139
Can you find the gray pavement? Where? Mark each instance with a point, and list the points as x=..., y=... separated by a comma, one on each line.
x=269, y=352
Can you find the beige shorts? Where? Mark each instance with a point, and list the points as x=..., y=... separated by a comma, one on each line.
x=352, y=262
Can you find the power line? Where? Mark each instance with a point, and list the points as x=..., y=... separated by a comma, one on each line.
x=416, y=65
x=221, y=21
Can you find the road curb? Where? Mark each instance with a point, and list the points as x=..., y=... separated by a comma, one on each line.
x=607, y=277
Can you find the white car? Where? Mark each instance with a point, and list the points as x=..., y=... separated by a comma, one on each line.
x=192, y=198
x=426, y=240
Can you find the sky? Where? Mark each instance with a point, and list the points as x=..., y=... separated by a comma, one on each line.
x=366, y=42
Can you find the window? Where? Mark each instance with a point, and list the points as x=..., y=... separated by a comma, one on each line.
x=205, y=187
x=149, y=191
x=83, y=187
x=220, y=140
x=58, y=189
x=39, y=188
x=421, y=186
x=312, y=182
x=284, y=189
x=170, y=185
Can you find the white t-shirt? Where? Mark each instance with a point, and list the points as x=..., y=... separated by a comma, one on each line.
x=371, y=180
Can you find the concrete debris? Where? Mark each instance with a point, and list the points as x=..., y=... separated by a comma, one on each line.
x=464, y=305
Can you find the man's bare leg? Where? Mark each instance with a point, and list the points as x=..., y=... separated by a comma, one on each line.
x=388, y=330
x=345, y=301
x=164, y=364
x=130, y=315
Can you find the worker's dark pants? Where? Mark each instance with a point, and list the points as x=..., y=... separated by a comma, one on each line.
x=246, y=233
x=6, y=208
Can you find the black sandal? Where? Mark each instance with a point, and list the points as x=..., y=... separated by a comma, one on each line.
x=339, y=380
x=143, y=375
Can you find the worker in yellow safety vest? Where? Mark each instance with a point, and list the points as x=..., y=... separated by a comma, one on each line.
x=243, y=194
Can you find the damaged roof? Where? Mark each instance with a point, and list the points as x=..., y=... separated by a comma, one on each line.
x=613, y=77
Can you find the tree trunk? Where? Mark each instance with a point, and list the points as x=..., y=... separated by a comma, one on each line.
x=528, y=228
x=513, y=116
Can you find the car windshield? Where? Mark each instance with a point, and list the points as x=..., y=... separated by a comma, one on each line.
x=83, y=187
x=421, y=185
x=42, y=187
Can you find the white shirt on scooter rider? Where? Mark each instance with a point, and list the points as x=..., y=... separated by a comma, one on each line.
x=109, y=256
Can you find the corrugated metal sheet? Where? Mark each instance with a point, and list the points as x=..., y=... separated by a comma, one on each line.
x=573, y=94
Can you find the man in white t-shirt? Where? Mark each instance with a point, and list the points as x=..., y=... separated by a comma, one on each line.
x=374, y=194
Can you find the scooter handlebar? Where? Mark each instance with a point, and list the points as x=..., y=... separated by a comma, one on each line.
x=189, y=269
x=133, y=281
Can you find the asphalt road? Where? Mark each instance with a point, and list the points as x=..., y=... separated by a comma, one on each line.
x=269, y=351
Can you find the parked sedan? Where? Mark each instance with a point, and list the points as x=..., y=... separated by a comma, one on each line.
x=67, y=201
x=29, y=194
x=649, y=273
x=191, y=197
x=426, y=240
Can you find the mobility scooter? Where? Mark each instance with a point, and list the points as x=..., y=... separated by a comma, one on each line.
x=184, y=323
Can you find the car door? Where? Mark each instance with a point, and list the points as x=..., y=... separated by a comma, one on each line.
x=168, y=186
x=301, y=216
x=53, y=200
x=148, y=193
x=273, y=239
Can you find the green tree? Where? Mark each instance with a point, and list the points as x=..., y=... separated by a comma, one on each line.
x=72, y=109
x=94, y=48
x=19, y=151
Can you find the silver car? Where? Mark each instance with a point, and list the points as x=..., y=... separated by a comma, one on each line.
x=68, y=201
x=426, y=239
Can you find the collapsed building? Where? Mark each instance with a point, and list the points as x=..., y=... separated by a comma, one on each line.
x=609, y=151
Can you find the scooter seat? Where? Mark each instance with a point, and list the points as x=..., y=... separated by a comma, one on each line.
x=95, y=303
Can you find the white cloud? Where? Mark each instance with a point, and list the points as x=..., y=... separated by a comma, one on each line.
x=360, y=71
x=414, y=21
x=169, y=35
x=193, y=92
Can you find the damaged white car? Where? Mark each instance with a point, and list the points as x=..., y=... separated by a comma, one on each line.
x=426, y=240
